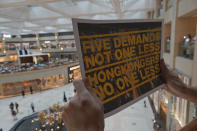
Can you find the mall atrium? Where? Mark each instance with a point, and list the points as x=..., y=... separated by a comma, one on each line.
x=39, y=60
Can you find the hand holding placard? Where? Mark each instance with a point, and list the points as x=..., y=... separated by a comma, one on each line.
x=84, y=112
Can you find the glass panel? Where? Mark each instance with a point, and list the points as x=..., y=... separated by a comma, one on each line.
x=160, y=8
x=167, y=45
x=186, y=48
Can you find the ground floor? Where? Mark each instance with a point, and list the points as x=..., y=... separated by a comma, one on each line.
x=134, y=118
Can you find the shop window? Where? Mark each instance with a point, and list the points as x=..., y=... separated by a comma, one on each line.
x=10, y=46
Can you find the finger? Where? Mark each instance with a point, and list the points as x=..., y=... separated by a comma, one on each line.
x=66, y=113
x=71, y=107
x=87, y=85
x=86, y=82
x=79, y=86
x=96, y=97
x=74, y=104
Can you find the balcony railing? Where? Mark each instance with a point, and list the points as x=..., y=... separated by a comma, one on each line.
x=167, y=47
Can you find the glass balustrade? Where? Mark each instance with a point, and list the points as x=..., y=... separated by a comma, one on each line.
x=186, y=48
x=167, y=45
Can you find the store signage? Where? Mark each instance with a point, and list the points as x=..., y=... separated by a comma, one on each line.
x=75, y=67
x=120, y=58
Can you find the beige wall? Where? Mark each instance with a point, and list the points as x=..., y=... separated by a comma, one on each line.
x=169, y=15
x=184, y=65
x=187, y=7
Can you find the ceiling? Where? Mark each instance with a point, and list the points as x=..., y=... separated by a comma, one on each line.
x=44, y=16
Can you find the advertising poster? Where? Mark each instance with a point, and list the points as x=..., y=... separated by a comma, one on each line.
x=74, y=73
x=121, y=59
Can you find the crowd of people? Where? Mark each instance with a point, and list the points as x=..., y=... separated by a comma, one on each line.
x=14, y=108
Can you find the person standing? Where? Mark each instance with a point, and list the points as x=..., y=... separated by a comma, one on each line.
x=31, y=90
x=11, y=106
x=32, y=107
x=145, y=104
x=14, y=114
x=16, y=105
x=65, y=98
x=23, y=93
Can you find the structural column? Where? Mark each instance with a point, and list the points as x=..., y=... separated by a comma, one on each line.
x=173, y=42
x=37, y=41
x=194, y=79
x=46, y=82
x=3, y=44
x=1, y=90
x=169, y=113
x=66, y=76
x=41, y=87
x=194, y=70
x=56, y=39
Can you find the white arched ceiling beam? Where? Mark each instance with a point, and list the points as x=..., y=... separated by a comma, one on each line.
x=110, y=8
x=27, y=3
x=99, y=3
x=130, y=3
x=54, y=10
x=117, y=7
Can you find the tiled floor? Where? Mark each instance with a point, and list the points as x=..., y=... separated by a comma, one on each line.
x=133, y=118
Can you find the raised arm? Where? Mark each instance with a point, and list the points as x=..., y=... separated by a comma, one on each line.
x=175, y=86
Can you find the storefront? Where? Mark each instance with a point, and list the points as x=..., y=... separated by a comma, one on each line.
x=163, y=106
x=37, y=85
x=180, y=107
x=163, y=113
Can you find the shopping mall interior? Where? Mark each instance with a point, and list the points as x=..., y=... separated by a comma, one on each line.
x=39, y=61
